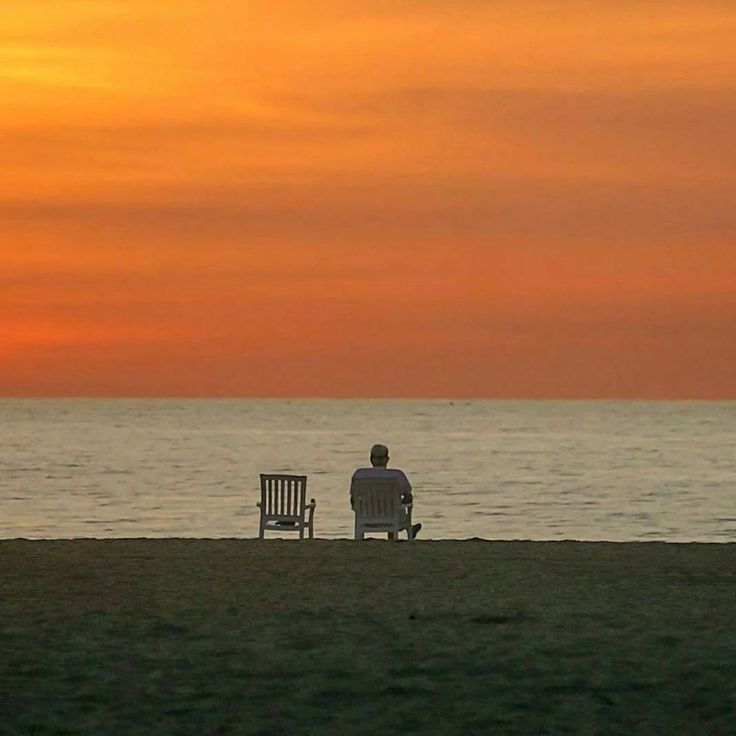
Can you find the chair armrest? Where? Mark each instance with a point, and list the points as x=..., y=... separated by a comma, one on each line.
x=407, y=510
x=310, y=507
x=258, y=503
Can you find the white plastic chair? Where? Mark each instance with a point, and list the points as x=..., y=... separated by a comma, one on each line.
x=378, y=508
x=283, y=505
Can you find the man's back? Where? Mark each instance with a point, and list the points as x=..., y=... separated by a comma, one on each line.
x=398, y=475
x=402, y=482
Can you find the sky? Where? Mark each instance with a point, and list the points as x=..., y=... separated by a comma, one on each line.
x=407, y=198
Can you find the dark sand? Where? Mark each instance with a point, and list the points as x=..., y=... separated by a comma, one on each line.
x=336, y=637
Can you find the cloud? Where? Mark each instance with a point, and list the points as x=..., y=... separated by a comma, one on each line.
x=376, y=208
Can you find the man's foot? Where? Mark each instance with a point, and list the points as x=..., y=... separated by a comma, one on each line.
x=415, y=530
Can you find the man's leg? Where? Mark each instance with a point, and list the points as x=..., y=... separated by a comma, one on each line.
x=411, y=533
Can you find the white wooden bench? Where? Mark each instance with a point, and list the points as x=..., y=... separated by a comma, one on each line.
x=378, y=508
x=283, y=505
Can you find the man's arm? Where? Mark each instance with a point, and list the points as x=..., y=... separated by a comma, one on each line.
x=406, y=494
x=352, y=504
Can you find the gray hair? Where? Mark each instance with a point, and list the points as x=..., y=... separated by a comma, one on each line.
x=379, y=451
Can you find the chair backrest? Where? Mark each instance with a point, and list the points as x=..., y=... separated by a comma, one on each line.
x=376, y=500
x=283, y=495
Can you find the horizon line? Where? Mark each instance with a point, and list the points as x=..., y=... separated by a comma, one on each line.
x=310, y=397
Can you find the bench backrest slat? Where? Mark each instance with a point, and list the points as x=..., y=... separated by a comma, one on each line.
x=283, y=495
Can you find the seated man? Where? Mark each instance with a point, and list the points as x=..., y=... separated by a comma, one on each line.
x=378, y=469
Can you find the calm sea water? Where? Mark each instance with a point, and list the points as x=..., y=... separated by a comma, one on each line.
x=494, y=469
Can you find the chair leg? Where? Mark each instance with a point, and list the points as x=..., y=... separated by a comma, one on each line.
x=301, y=532
x=261, y=531
x=311, y=530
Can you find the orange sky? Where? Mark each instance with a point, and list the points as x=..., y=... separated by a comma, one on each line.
x=512, y=198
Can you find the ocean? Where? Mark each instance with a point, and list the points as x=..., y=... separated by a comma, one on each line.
x=541, y=470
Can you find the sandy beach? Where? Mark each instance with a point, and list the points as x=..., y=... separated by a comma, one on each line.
x=187, y=636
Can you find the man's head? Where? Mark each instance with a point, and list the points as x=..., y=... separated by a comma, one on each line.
x=379, y=456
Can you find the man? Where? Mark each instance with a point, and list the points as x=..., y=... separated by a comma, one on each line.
x=378, y=469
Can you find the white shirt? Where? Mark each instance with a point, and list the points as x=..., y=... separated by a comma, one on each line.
x=395, y=473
